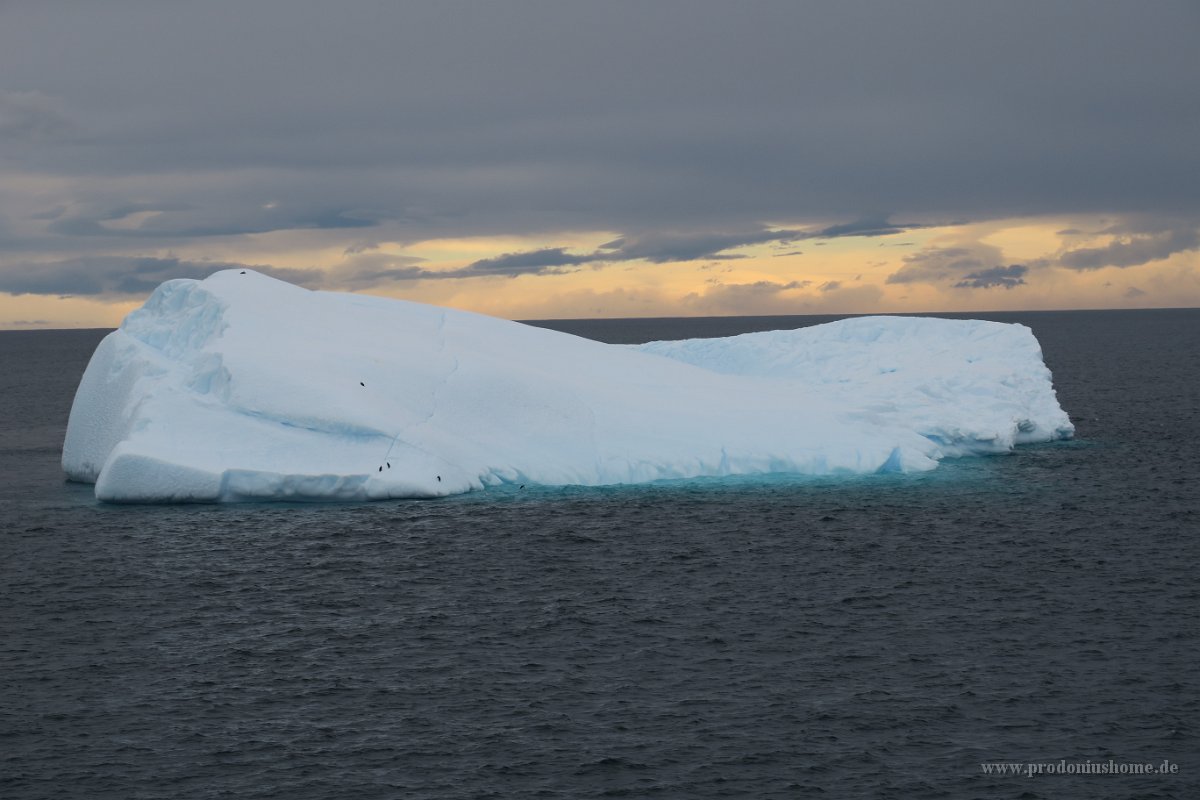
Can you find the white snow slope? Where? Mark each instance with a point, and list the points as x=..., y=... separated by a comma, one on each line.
x=242, y=387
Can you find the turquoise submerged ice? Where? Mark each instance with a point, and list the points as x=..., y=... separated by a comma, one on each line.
x=242, y=387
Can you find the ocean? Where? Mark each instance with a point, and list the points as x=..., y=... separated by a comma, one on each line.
x=1023, y=626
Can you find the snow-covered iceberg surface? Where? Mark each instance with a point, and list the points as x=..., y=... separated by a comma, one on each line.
x=243, y=387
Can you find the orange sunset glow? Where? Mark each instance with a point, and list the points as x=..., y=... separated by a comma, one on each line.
x=840, y=275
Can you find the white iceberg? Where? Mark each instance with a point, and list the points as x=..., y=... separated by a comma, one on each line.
x=242, y=387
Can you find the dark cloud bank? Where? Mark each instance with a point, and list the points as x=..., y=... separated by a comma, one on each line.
x=726, y=121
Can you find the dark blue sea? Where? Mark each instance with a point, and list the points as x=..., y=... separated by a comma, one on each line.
x=877, y=637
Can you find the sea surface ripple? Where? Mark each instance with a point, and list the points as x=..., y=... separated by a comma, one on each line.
x=874, y=637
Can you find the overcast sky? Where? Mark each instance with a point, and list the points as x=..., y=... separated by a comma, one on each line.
x=535, y=153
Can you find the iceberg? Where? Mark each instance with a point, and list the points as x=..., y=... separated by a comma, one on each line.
x=242, y=387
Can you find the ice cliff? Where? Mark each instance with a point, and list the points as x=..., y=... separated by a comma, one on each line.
x=242, y=387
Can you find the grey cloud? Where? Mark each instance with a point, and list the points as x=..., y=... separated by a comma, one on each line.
x=50, y=213
x=767, y=287
x=972, y=265
x=494, y=109
x=368, y=266
x=365, y=269
x=183, y=221
x=115, y=276
x=32, y=115
x=662, y=248
x=365, y=279
x=435, y=119
x=1133, y=292
x=869, y=226
x=1132, y=251
x=1008, y=277
x=938, y=264
x=534, y=262
x=656, y=248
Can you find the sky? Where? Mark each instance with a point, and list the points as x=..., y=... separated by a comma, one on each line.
x=563, y=159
